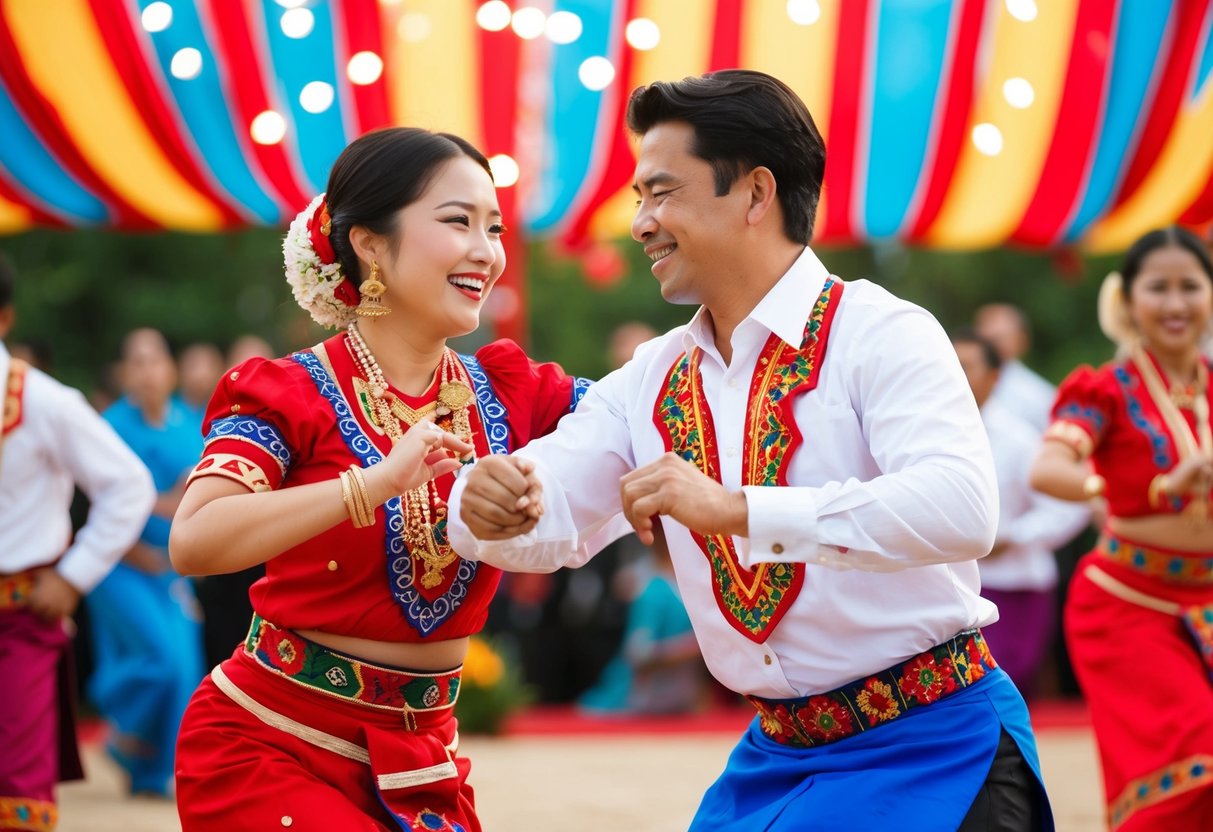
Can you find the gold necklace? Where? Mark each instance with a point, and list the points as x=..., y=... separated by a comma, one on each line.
x=454, y=396
x=1187, y=442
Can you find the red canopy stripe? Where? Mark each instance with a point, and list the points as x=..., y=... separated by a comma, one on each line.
x=952, y=125
x=44, y=120
x=134, y=58
x=359, y=29
x=244, y=74
x=500, y=57
x=1079, y=119
x=850, y=86
x=1185, y=30
x=726, y=36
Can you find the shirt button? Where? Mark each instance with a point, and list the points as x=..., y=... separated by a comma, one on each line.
x=287, y=820
x=734, y=383
x=777, y=548
x=235, y=375
x=766, y=659
x=235, y=408
x=332, y=566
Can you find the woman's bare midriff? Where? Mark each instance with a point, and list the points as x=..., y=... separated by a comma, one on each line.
x=436, y=656
x=1165, y=531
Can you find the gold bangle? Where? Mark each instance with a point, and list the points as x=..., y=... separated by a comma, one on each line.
x=1093, y=486
x=362, y=496
x=347, y=497
x=1160, y=487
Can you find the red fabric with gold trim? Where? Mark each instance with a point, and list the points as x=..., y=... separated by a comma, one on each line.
x=752, y=600
x=14, y=389
x=1131, y=442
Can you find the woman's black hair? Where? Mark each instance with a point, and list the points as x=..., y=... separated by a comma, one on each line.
x=743, y=120
x=378, y=174
x=1171, y=236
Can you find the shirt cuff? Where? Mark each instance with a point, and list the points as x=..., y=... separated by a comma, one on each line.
x=83, y=571
x=783, y=526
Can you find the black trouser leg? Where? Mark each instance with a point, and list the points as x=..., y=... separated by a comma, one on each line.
x=1010, y=800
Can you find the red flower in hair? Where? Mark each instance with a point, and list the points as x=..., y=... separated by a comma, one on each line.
x=346, y=293
x=318, y=227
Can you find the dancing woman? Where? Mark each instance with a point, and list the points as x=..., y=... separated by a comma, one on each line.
x=1139, y=613
x=331, y=465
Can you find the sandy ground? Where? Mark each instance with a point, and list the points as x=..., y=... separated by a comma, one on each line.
x=586, y=784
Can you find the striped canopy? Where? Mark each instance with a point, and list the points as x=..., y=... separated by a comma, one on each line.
x=949, y=123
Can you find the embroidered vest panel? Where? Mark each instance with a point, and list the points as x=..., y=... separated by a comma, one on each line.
x=752, y=600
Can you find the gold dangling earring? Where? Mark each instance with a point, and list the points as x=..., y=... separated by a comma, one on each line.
x=372, y=290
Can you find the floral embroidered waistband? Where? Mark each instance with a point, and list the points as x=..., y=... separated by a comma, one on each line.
x=1166, y=564
x=312, y=665
x=15, y=590
x=882, y=697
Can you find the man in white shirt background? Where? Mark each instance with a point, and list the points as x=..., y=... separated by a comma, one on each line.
x=818, y=467
x=1020, y=390
x=1020, y=573
x=51, y=440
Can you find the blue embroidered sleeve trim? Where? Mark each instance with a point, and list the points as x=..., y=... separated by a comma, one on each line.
x=257, y=431
x=581, y=386
x=422, y=615
x=492, y=412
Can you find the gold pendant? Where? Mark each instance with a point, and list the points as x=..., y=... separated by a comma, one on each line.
x=431, y=554
x=454, y=395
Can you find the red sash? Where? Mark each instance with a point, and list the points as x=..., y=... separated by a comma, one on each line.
x=752, y=600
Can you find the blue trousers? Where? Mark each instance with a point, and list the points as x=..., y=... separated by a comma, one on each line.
x=918, y=773
x=148, y=657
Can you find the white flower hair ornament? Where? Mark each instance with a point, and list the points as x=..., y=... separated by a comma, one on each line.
x=319, y=285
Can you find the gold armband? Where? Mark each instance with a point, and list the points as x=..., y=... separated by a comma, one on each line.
x=1094, y=486
x=1072, y=435
x=234, y=468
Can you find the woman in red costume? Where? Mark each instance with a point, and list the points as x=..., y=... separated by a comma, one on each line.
x=331, y=466
x=1139, y=614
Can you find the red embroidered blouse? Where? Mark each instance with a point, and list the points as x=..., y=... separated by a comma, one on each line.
x=1130, y=442
x=296, y=420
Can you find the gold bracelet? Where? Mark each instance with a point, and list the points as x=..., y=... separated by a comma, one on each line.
x=1160, y=487
x=347, y=497
x=362, y=496
x=1093, y=486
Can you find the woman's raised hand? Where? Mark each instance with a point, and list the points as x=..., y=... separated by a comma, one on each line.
x=424, y=452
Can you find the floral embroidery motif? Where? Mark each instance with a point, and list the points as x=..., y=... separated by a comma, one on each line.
x=752, y=600
x=926, y=680
x=1167, y=782
x=877, y=699
x=877, y=702
x=306, y=663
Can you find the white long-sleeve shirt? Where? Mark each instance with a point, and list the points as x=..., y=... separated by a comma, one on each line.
x=1030, y=524
x=60, y=442
x=891, y=496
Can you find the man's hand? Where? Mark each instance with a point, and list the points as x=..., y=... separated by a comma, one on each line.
x=502, y=498
x=673, y=487
x=52, y=597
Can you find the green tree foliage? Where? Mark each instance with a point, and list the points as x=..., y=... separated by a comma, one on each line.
x=81, y=291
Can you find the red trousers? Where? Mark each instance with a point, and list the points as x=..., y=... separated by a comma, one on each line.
x=257, y=751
